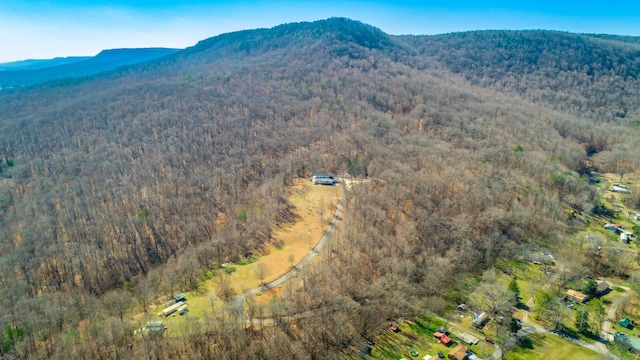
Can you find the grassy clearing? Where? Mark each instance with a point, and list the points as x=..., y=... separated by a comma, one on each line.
x=547, y=346
x=315, y=206
x=418, y=335
x=413, y=335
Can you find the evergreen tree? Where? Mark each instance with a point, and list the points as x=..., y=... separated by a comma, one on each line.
x=582, y=320
x=514, y=288
x=514, y=325
x=591, y=288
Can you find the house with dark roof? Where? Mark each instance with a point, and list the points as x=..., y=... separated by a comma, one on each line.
x=603, y=287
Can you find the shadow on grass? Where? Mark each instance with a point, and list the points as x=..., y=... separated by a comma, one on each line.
x=420, y=327
x=386, y=349
x=525, y=343
x=565, y=331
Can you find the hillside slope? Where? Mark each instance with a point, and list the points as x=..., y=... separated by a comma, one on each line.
x=591, y=76
x=150, y=176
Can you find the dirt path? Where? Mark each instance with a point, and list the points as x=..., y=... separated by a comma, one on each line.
x=239, y=300
x=608, y=323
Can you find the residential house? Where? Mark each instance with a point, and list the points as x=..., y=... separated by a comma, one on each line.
x=459, y=352
x=603, y=287
x=443, y=338
x=576, y=296
x=480, y=320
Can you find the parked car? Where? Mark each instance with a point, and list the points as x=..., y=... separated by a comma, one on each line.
x=636, y=216
x=490, y=341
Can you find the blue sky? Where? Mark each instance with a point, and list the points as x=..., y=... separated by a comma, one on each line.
x=42, y=29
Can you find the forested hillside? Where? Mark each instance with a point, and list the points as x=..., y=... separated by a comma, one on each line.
x=587, y=75
x=150, y=176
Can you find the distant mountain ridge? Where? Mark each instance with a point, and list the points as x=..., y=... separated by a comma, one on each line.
x=31, y=72
x=35, y=64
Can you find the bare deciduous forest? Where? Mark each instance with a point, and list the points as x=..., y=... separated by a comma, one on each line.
x=150, y=176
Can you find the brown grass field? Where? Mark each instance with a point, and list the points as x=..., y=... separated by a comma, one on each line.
x=315, y=207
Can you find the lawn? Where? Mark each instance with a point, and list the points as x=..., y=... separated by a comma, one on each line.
x=412, y=335
x=548, y=346
x=418, y=335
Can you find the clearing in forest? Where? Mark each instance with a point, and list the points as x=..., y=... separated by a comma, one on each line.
x=315, y=207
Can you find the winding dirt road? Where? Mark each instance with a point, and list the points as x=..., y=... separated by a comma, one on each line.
x=239, y=300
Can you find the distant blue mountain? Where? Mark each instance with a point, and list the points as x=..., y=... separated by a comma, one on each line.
x=40, y=64
x=31, y=72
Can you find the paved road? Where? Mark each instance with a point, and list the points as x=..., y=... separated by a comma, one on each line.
x=239, y=300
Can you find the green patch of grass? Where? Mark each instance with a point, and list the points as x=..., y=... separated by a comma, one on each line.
x=413, y=335
x=247, y=261
x=547, y=346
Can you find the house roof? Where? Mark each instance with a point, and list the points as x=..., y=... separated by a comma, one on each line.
x=624, y=322
x=577, y=295
x=443, y=337
x=459, y=352
x=602, y=286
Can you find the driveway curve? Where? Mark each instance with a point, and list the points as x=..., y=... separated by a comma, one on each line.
x=239, y=300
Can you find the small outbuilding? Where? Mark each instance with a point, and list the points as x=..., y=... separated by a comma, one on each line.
x=625, y=237
x=624, y=322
